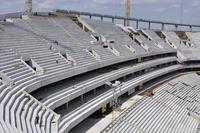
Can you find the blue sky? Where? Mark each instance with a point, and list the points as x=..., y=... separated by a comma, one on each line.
x=167, y=10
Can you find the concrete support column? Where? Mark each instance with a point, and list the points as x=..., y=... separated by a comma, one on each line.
x=104, y=109
x=141, y=87
x=140, y=72
x=101, y=18
x=139, y=60
x=190, y=28
x=67, y=105
x=106, y=87
x=163, y=26
x=124, y=78
x=113, y=20
x=137, y=24
x=95, y=91
x=82, y=98
x=113, y=102
x=176, y=27
x=132, y=74
x=125, y=22
x=131, y=91
x=149, y=27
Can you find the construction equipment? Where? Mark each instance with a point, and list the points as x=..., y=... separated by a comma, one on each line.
x=127, y=11
x=28, y=6
x=114, y=101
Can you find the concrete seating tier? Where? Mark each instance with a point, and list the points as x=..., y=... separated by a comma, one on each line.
x=150, y=44
x=172, y=108
x=194, y=37
x=114, y=33
x=16, y=107
x=157, y=39
x=64, y=93
x=44, y=43
x=172, y=37
x=73, y=118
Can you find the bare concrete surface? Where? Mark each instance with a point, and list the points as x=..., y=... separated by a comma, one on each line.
x=91, y=125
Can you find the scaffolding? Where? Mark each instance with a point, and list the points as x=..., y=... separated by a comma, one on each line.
x=114, y=101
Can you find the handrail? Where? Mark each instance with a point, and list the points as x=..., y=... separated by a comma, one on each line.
x=102, y=16
x=163, y=23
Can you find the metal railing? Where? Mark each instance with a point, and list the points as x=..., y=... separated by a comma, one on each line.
x=161, y=24
x=137, y=21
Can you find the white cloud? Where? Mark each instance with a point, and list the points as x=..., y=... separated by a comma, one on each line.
x=153, y=1
x=4, y=4
x=107, y=1
x=186, y=10
x=161, y=9
x=176, y=5
x=196, y=3
x=45, y=4
x=49, y=4
x=133, y=1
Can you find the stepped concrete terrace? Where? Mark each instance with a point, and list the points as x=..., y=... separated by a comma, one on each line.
x=54, y=73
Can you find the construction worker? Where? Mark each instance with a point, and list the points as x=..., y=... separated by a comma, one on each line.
x=56, y=42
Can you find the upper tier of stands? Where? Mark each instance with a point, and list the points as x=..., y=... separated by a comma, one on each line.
x=188, y=49
x=120, y=39
x=156, y=39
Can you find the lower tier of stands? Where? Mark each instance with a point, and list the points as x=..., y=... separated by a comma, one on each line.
x=74, y=117
x=174, y=107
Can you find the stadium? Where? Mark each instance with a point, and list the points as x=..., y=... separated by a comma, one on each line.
x=69, y=71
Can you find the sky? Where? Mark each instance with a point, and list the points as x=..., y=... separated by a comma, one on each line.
x=180, y=11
